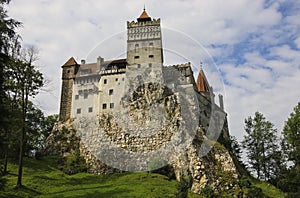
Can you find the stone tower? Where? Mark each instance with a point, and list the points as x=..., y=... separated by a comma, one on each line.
x=69, y=70
x=144, y=48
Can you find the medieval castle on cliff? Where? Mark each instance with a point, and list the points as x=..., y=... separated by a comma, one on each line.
x=89, y=89
x=134, y=112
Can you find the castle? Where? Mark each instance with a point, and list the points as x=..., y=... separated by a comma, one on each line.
x=89, y=89
x=136, y=114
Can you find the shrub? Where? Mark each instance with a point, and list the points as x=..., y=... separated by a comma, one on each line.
x=72, y=164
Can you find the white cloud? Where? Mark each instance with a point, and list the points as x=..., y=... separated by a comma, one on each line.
x=297, y=42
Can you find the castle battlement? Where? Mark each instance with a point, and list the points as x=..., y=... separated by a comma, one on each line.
x=153, y=22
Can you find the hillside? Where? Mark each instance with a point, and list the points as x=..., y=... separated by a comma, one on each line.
x=43, y=179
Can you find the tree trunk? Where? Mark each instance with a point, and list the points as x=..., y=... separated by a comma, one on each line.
x=5, y=162
x=20, y=171
x=22, y=139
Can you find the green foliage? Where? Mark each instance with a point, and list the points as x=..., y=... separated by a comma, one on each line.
x=183, y=186
x=261, y=146
x=72, y=164
x=208, y=192
x=291, y=136
x=67, y=146
x=290, y=181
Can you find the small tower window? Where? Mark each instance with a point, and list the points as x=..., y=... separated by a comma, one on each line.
x=105, y=81
x=151, y=56
x=90, y=109
x=117, y=79
x=111, y=92
x=139, y=65
x=136, y=57
x=111, y=105
x=150, y=64
x=85, y=95
x=78, y=111
x=76, y=97
x=104, y=106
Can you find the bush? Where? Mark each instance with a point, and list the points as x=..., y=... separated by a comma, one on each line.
x=208, y=192
x=183, y=186
x=254, y=192
x=72, y=164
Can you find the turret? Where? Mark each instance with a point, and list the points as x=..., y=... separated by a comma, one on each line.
x=144, y=43
x=69, y=70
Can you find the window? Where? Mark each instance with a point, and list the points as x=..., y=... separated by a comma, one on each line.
x=151, y=44
x=104, y=106
x=111, y=105
x=105, y=81
x=151, y=56
x=76, y=97
x=68, y=71
x=78, y=111
x=85, y=95
x=110, y=92
x=150, y=64
x=117, y=79
x=90, y=109
x=139, y=66
x=136, y=57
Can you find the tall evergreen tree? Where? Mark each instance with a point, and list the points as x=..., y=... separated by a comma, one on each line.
x=261, y=146
x=291, y=147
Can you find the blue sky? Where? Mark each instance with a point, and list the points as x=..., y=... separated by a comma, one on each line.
x=254, y=43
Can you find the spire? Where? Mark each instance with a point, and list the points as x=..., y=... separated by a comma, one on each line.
x=144, y=16
x=202, y=83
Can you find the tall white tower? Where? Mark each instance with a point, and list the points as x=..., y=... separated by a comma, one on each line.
x=144, y=46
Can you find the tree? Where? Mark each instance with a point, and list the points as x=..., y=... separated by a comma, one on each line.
x=290, y=182
x=261, y=146
x=291, y=137
x=26, y=81
x=8, y=41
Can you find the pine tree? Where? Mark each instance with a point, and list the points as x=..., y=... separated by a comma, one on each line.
x=261, y=145
x=291, y=147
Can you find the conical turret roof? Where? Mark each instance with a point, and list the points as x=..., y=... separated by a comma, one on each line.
x=144, y=16
x=70, y=62
x=202, y=83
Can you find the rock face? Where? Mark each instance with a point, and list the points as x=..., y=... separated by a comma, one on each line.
x=160, y=123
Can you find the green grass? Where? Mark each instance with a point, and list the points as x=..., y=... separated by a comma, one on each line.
x=268, y=189
x=42, y=179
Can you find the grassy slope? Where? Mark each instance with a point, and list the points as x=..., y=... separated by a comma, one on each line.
x=42, y=179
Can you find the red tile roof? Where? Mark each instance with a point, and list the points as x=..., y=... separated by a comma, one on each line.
x=70, y=62
x=202, y=83
x=144, y=15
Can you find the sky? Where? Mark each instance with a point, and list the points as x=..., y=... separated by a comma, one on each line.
x=250, y=49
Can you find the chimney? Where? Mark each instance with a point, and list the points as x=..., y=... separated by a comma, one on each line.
x=100, y=60
x=221, y=101
x=82, y=61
